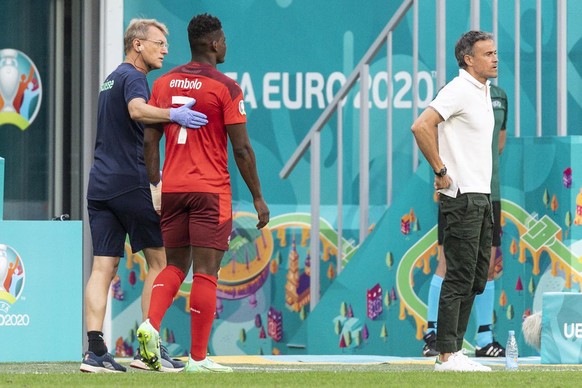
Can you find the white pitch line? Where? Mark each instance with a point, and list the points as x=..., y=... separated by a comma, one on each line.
x=271, y=369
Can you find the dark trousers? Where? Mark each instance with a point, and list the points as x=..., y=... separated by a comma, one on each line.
x=467, y=249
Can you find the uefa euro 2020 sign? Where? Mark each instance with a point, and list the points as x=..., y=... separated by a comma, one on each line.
x=20, y=89
x=11, y=286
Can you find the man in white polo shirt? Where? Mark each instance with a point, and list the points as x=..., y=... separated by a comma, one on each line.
x=454, y=134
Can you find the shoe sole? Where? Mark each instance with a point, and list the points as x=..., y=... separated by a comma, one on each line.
x=459, y=370
x=206, y=370
x=97, y=369
x=139, y=364
x=171, y=370
x=489, y=355
x=462, y=370
x=150, y=357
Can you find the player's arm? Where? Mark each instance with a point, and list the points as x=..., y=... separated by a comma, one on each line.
x=502, y=131
x=151, y=150
x=246, y=163
x=141, y=111
x=502, y=137
x=425, y=132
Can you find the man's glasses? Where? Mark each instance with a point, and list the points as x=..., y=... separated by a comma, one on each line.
x=160, y=43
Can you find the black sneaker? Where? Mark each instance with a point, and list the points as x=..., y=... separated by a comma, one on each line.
x=92, y=363
x=429, y=349
x=494, y=349
x=168, y=363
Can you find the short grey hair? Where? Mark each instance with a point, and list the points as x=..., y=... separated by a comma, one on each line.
x=465, y=45
x=138, y=29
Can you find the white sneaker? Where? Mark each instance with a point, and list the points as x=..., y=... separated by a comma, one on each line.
x=206, y=365
x=459, y=362
x=480, y=367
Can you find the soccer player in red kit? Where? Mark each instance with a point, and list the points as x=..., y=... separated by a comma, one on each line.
x=196, y=198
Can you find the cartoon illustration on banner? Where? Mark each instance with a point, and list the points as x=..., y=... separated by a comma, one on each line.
x=12, y=277
x=20, y=89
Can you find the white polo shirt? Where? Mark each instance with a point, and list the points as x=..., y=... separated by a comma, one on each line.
x=466, y=134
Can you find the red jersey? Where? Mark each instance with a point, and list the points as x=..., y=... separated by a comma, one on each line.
x=196, y=160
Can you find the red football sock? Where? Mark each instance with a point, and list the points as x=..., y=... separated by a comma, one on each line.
x=202, y=310
x=164, y=290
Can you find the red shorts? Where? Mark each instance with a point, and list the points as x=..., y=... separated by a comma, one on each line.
x=196, y=219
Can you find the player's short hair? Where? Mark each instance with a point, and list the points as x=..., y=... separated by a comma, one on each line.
x=200, y=27
x=465, y=45
x=138, y=29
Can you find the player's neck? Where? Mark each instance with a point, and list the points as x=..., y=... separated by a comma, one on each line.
x=139, y=64
x=210, y=60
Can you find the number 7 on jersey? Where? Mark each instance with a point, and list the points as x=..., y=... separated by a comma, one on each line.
x=181, y=100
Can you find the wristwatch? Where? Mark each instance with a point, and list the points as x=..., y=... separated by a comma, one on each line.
x=442, y=172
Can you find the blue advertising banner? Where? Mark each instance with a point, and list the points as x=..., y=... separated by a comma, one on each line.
x=40, y=290
x=562, y=328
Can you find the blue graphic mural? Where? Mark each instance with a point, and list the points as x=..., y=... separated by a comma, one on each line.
x=289, y=58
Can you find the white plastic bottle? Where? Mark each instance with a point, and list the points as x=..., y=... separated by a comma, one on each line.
x=511, y=352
